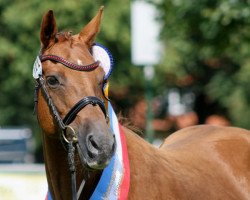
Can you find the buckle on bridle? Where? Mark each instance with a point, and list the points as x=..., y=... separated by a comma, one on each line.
x=69, y=135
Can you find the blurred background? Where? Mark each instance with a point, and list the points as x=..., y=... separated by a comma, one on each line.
x=202, y=76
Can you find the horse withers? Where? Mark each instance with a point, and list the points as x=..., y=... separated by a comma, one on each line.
x=196, y=163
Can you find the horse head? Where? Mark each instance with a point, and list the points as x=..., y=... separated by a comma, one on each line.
x=80, y=81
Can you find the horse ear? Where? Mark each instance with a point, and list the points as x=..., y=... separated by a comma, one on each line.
x=89, y=32
x=48, y=29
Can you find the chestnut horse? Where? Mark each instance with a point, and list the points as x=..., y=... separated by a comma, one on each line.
x=196, y=163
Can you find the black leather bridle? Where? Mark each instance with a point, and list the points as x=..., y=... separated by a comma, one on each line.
x=67, y=132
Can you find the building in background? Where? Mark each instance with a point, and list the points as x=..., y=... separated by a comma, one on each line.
x=16, y=145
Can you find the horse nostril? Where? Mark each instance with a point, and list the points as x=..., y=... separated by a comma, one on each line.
x=93, y=142
x=92, y=146
x=100, y=148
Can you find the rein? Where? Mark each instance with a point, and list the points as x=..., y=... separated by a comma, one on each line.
x=67, y=132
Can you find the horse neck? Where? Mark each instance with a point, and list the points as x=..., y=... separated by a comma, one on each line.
x=58, y=174
x=140, y=151
x=148, y=164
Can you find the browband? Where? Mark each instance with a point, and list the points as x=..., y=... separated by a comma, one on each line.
x=69, y=64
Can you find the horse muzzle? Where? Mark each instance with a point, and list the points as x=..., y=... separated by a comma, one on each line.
x=95, y=146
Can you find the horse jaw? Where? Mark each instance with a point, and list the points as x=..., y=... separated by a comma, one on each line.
x=45, y=118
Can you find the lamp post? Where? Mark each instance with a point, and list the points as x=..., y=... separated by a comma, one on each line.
x=149, y=75
x=146, y=50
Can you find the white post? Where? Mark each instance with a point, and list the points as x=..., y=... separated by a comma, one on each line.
x=146, y=50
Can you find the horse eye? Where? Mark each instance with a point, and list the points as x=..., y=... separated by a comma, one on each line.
x=52, y=81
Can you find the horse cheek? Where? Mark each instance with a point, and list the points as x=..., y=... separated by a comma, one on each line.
x=44, y=117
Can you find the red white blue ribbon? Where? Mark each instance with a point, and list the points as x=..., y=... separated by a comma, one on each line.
x=48, y=196
x=115, y=180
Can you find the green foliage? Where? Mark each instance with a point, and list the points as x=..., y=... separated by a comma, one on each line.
x=209, y=40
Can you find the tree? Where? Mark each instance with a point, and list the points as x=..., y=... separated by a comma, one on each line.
x=208, y=41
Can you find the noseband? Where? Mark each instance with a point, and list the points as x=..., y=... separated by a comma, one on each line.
x=68, y=134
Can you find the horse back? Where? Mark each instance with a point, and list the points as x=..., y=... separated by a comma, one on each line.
x=201, y=134
x=216, y=159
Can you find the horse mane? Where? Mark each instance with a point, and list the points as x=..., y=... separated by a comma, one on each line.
x=126, y=122
x=60, y=37
x=63, y=35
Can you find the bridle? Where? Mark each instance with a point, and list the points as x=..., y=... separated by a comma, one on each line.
x=68, y=134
